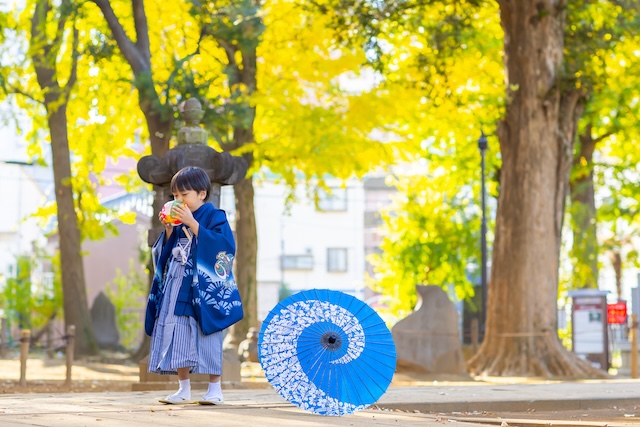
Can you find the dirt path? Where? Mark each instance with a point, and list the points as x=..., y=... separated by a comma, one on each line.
x=112, y=373
x=48, y=375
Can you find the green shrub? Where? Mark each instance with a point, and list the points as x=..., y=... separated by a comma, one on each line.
x=128, y=295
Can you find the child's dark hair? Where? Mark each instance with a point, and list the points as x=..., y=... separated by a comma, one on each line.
x=191, y=178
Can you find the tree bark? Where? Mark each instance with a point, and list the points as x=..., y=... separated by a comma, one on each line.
x=44, y=54
x=583, y=213
x=616, y=262
x=246, y=229
x=246, y=258
x=159, y=117
x=244, y=74
x=536, y=147
x=76, y=308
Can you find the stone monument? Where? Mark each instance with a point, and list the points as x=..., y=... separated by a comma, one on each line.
x=248, y=349
x=427, y=341
x=223, y=169
x=103, y=317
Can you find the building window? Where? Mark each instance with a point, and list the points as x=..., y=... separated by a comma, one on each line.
x=336, y=260
x=336, y=201
x=297, y=262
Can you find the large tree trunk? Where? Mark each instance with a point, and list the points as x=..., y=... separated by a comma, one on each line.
x=243, y=73
x=159, y=120
x=536, y=147
x=159, y=116
x=45, y=55
x=76, y=309
x=246, y=258
x=583, y=213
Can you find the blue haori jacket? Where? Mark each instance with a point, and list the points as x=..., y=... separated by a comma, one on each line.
x=208, y=291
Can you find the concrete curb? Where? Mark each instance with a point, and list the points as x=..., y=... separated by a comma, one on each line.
x=510, y=406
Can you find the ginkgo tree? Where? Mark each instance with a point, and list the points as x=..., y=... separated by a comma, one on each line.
x=308, y=120
x=605, y=155
x=448, y=104
x=543, y=104
x=264, y=66
x=537, y=140
x=49, y=47
x=137, y=61
x=51, y=64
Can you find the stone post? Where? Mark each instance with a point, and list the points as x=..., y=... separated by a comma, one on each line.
x=4, y=333
x=71, y=338
x=222, y=168
x=25, y=341
x=634, y=346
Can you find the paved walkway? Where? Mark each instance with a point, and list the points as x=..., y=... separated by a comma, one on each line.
x=421, y=405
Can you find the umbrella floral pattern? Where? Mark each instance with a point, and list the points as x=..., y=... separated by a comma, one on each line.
x=327, y=352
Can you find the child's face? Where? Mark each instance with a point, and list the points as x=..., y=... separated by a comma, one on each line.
x=192, y=198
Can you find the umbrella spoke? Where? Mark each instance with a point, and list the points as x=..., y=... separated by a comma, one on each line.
x=351, y=394
x=319, y=362
x=369, y=365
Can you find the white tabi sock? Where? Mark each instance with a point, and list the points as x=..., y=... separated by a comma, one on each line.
x=185, y=388
x=214, y=389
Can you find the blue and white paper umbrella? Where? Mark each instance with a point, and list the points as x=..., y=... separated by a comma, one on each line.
x=327, y=352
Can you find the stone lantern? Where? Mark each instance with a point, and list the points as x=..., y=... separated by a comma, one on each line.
x=191, y=150
x=222, y=169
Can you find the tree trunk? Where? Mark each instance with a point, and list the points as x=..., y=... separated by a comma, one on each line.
x=145, y=346
x=158, y=116
x=246, y=258
x=616, y=263
x=76, y=309
x=244, y=74
x=536, y=146
x=45, y=56
x=583, y=214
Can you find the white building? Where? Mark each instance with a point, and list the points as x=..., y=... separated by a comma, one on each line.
x=300, y=246
x=304, y=246
x=24, y=188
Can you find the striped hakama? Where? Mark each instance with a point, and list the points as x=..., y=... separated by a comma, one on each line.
x=178, y=341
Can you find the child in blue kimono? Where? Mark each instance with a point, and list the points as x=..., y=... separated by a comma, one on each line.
x=191, y=259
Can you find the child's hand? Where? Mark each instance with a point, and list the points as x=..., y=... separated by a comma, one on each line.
x=167, y=227
x=164, y=223
x=184, y=215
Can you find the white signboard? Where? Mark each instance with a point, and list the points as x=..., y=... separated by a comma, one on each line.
x=589, y=322
x=588, y=326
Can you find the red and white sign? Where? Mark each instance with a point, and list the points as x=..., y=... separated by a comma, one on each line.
x=617, y=313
